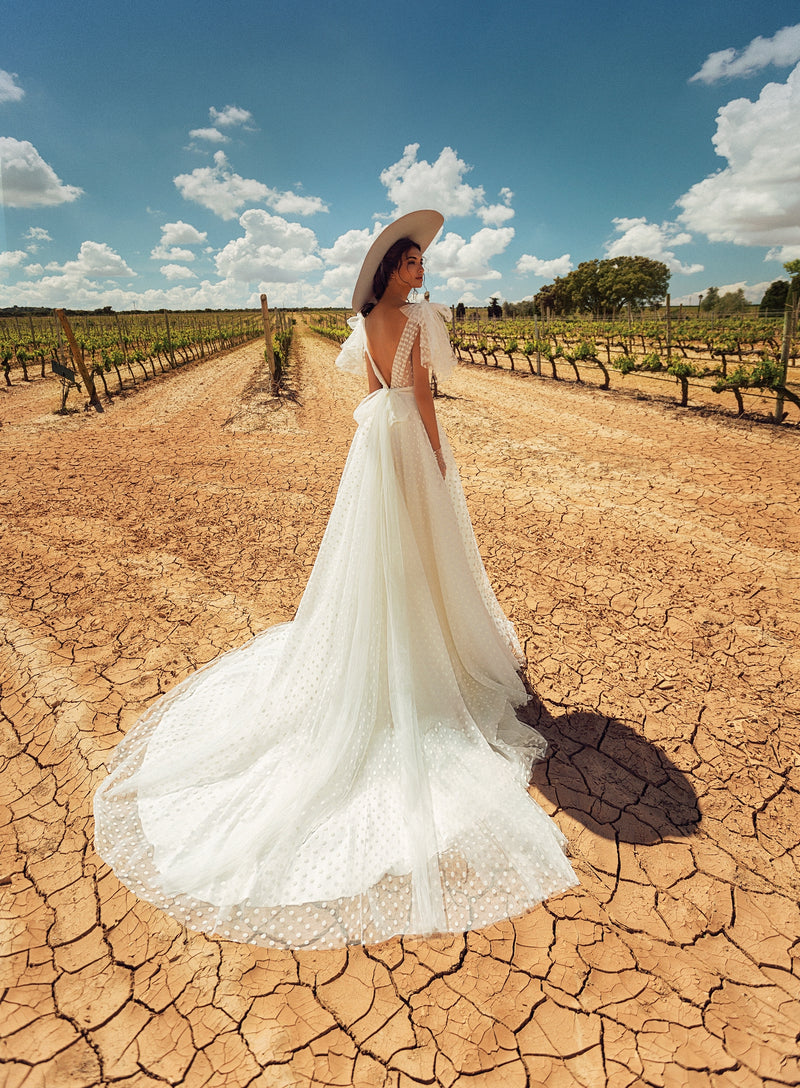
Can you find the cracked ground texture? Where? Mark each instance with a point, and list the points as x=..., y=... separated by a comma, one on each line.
x=648, y=558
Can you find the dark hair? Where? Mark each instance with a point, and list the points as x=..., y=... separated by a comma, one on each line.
x=389, y=264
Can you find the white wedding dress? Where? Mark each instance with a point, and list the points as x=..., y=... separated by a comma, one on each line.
x=358, y=772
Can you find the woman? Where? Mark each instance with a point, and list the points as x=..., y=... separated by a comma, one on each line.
x=358, y=772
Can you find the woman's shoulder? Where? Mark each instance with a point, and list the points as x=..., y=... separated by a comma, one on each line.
x=425, y=311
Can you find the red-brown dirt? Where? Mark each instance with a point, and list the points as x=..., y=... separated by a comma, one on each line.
x=648, y=557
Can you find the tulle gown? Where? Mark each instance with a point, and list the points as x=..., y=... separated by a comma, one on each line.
x=358, y=772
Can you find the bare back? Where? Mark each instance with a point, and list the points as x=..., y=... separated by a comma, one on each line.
x=384, y=328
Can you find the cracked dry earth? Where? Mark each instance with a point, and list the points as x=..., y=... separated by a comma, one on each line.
x=649, y=560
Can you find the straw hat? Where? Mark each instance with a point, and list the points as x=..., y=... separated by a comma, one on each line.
x=421, y=227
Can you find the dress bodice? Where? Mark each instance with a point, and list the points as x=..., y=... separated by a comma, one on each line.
x=426, y=318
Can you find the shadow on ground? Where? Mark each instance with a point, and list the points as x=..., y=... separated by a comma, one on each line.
x=609, y=777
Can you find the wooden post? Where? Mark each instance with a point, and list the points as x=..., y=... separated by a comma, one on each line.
x=270, y=352
x=669, y=331
x=789, y=315
x=169, y=341
x=77, y=356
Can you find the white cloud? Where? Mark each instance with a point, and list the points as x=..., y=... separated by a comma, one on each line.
x=174, y=236
x=344, y=258
x=494, y=215
x=26, y=180
x=638, y=238
x=557, y=266
x=783, y=254
x=230, y=115
x=11, y=258
x=224, y=192
x=217, y=187
x=177, y=272
x=181, y=234
x=454, y=258
x=171, y=253
x=413, y=184
x=782, y=49
x=10, y=90
x=212, y=135
x=38, y=234
x=272, y=250
x=755, y=199
x=96, y=260
x=288, y=203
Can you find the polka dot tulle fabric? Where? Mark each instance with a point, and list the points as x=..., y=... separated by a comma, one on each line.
x=358, y=772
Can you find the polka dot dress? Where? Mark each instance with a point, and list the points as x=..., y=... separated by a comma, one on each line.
x=358, y=772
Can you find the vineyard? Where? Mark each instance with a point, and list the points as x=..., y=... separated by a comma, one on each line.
x=122, y=350
x=738, y=356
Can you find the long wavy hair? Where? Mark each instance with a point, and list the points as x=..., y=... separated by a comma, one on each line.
x=389, y=264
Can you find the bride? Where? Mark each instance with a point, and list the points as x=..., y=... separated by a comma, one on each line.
x=358, y=772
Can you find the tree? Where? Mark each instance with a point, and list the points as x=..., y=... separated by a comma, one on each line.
x=631, y=281
x=494, y=308
x=733, y=302
x=711, y=300
x=461, y=311
x=555, y=297
x=606, y=286
x=774, y=299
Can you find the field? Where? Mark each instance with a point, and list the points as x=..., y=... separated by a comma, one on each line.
x=648, y=556
x=732, y=363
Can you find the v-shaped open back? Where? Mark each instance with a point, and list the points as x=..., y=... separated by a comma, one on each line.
x=400, y=376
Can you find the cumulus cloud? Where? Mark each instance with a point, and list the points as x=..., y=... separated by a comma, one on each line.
x=230, y=115
x=638, y=238
x=37, y=234
x=174, y=236
x=171, y=253
x=782, y=49
x=557, y=266
x=212, y=135
x=783, y=254
x=224, y=192
x=272, y=250
x=11, y=258
x=181, y=234
x=494, y=215
x=26, y=180
x=177, y=272
x=452, y=258
x=413, y=183
x=10, y=90
x=344, y=259
x=95, y=260
x=755, y=199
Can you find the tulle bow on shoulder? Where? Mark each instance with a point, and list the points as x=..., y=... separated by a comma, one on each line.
x=352, y=355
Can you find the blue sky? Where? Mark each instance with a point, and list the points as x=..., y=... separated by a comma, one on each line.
x=188, y=155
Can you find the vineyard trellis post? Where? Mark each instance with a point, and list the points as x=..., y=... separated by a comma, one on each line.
x=77, y=356
x=789, y=320
x=669, y=330
x=270, y=351
x=169, y=340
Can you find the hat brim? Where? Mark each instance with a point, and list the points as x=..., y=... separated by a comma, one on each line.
x=421, y=227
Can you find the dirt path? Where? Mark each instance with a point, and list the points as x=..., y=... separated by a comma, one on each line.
x=649, y=560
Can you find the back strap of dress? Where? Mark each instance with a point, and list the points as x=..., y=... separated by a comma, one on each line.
x=378, y=374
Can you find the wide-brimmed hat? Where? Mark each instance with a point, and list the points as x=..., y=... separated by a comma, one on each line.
x=421, y=227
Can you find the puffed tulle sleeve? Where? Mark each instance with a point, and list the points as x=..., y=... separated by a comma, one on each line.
x=434, y=341
x=352, y=356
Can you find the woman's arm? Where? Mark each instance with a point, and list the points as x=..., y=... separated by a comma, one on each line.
x=424, y=399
